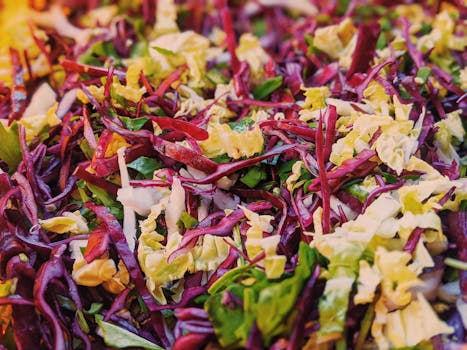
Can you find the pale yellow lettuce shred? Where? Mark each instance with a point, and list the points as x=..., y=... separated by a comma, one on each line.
x=103, y=270
x=315, y=97
x=72, y=222
x=255, y=243
x=407, y=326
x=394, y=147
x=396, y=276
x=166, y=18
x=100, y=16
x=131, y=91
x=448, y=130
x=116, y=142
x=35, y=124
x=222, y=139
x=368, y=279
x=337, y=40
x=383, y=229
x=425, y=196
x=442, y=36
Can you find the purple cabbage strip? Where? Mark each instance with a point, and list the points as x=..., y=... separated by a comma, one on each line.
x=304, y=306
x=128, y=258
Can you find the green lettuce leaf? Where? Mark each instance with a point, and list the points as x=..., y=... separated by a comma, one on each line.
x=10, y=152
x=120, y=338
x=259, y=297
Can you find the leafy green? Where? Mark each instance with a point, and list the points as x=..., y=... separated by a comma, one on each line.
x=385, y=24
x=242, y=126
x=267, y=88
x=312, y=49
x=134, y=124
x=223, y=158
x=94, y=309
x=121, y=338
x=82, y=321
x=140, y=49
x=341, y=272
x=285, y=169
x=254, y=176
x=99, y=49
x=390, y=178
x=10, y=152
x=102, y=197
x=259, y=27
x=259, y=297
x=187, y=220
x=163, y=51
x=365, y=326
x=381, y=42
x=424, y=73
x=357, y=192
x=145, y=166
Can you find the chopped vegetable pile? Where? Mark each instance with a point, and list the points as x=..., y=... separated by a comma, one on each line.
x=242, y=174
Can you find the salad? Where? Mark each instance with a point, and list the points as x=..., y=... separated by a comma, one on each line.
x=262, y=174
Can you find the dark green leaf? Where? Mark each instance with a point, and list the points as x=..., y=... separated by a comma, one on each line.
x=242, y=126
x=223, y=158
x=390, y=178
x=140, y=49
x=133, y=124
x=351, y=182
x=86, y=149
x=121, y=338
x=227, y=320
x=404, y=94
x=278, y=299
x=259, y=27
x=365, y=327
x=10, y=152
x=145, y=166
x=254, y=176
x=267, y=88
x=426, y=28
x=342, y=6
